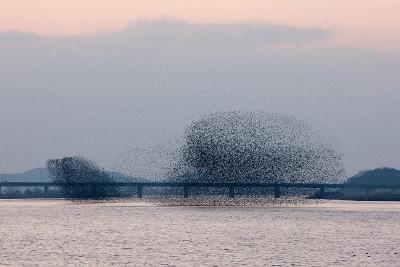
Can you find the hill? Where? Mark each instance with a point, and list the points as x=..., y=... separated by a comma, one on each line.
x=33, y=175
x=380, y=176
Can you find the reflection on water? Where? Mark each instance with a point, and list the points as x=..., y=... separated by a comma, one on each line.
x=56, y=232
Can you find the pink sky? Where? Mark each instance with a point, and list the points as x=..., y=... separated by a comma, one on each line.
x=364, y=23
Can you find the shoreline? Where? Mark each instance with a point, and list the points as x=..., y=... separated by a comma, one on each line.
x=202, y=203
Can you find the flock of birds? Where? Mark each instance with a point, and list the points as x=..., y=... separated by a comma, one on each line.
x=218, y=147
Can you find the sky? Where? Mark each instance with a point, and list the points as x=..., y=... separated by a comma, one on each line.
x=100, y=77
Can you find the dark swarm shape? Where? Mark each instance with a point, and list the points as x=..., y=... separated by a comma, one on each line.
x=256, y=147
x=79, y=170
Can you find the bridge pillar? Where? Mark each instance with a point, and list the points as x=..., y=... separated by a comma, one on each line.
x=321, y=192
x=277, y=192
x=185, y=191
x=91, y=190
x=231, y=192
x=367, y=191
x=139, y=191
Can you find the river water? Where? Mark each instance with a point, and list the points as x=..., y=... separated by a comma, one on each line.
x=131, y=233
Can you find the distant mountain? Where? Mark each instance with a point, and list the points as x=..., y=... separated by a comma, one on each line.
x=42, y=175
x=33, y=175
x=380, y=176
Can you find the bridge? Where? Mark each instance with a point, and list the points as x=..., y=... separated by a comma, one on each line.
x=232, y=187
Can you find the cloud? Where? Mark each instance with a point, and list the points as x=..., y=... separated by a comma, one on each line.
x=97, y=95
x=179, y=33
x=160, y=39
x=171, y=30
x=18, y=37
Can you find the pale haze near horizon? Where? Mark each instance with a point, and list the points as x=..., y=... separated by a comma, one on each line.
x=139, y=84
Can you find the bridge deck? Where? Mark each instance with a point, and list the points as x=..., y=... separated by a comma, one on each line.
x=215, y=185
x=231, y=186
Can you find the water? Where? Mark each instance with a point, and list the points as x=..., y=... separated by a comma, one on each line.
x=59, y=233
